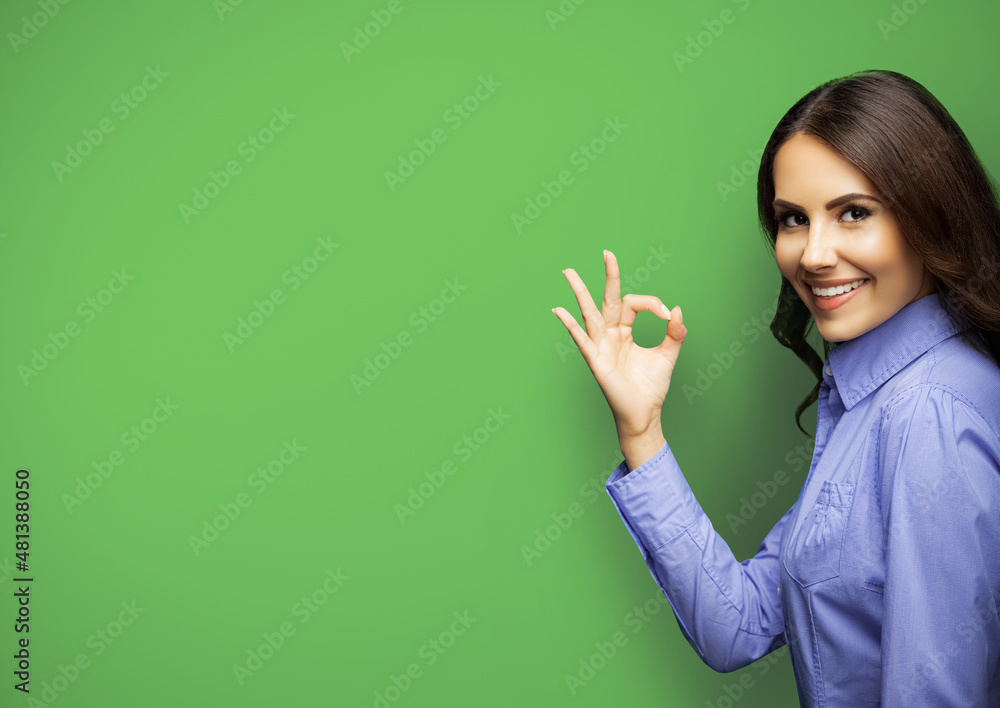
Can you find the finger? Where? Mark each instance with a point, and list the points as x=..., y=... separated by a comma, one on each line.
x=591, y=317
x=611, y=308
x=676, y=331
x=587, y=348
x=634, y=304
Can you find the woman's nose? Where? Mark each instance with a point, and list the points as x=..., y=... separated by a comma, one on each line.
x=819, y=251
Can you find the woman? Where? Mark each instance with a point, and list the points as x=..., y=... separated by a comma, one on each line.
x=884, y=577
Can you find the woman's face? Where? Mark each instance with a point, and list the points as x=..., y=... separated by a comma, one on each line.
x=834, y=230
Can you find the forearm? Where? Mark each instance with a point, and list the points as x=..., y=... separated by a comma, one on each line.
x=729, y=611
x=639, y=449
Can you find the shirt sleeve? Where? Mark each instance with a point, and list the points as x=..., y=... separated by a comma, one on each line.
x=730, y=612
x=940, y=505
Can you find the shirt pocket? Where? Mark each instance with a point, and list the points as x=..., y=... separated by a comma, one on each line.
x=818, y=545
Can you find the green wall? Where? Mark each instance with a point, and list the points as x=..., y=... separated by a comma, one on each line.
x=279, y=355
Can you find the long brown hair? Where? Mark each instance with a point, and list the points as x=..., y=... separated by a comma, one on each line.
x=906, y=143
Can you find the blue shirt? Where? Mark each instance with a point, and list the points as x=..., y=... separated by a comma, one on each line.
x=884, y=576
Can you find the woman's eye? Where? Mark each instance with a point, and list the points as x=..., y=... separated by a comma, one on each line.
x=791, y=219
x=856, y=213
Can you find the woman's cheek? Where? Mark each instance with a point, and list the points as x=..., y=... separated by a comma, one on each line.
x=788, y=260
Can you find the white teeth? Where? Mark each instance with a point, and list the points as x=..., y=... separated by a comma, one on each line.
x=838, y=290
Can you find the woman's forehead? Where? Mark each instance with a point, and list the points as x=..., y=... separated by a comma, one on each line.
x=807, y=168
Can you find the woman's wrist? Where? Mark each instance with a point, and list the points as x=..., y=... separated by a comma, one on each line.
x=640, y=448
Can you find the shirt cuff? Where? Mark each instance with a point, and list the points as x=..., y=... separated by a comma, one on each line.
x=654, y=500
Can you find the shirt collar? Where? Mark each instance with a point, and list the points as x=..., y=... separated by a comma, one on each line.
x=858, y=366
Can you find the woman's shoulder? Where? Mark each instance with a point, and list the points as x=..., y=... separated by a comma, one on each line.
x=953, y=373
x=944, y=421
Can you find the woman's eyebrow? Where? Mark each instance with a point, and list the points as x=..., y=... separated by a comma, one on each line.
x=832, y=204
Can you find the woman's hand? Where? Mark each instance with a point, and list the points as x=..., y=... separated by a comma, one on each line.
x=634, y=379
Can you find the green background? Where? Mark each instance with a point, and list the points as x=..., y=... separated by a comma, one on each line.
x=127, y=538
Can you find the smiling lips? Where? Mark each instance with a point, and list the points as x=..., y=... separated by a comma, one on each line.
x=833, y=297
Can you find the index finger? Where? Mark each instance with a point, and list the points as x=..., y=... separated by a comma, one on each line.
x=591, y=317
x=611, y=308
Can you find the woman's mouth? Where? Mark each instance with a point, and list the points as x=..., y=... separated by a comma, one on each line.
x=831, y=298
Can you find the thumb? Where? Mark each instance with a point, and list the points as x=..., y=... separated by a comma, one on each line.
x=676, y=331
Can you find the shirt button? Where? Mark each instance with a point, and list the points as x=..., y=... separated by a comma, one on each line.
x=829, y=371
x=779, y=588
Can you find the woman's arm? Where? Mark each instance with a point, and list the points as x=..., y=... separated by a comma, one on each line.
x=940, y=487
x=640, y=449
x=730, y=612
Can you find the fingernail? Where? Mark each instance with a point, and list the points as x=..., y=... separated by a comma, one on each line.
x=666, y=311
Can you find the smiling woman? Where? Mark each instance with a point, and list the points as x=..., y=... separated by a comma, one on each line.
x=848, y=249
x=884, y=577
